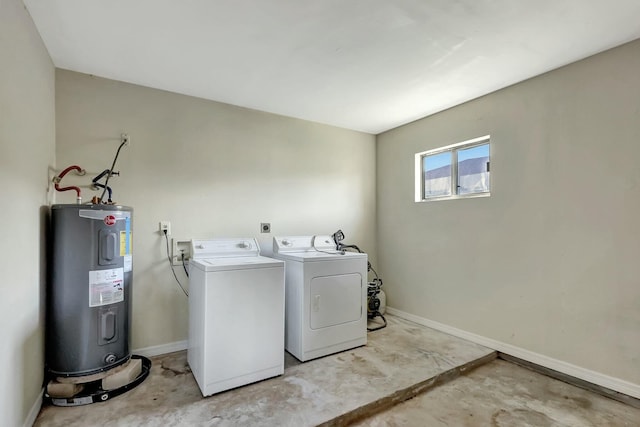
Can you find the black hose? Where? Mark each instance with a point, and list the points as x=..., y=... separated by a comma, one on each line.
x=97, y=178
x=113, y=165
x=377, y=328
x=108, y=190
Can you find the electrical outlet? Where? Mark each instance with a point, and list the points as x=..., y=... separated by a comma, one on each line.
x=165, y=226
x=179, y=247
x=265, y=227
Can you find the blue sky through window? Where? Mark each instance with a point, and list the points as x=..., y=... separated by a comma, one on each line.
x=473, y=153
x=436, y=161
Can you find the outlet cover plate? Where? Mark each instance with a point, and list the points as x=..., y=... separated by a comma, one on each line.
x=165, y=225
x=178, y=247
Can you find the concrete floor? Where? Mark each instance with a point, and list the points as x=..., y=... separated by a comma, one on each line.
x=502, y=394
x=398, y=363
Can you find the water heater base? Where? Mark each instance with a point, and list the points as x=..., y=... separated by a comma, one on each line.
x=92, y=392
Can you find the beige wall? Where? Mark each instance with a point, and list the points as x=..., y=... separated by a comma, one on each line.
x=213, y=170
x=549, y=262
x=27, y=149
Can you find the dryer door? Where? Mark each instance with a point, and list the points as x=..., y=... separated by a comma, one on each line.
x=335, y=300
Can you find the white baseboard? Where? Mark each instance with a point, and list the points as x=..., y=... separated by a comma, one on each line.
x=34, y=411
x=157, y=350
x=612, y=383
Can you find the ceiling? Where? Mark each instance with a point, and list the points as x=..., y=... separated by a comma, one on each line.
x=367, y=65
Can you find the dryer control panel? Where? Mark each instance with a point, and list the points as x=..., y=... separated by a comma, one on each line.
x=224, y=247
x=303, y=243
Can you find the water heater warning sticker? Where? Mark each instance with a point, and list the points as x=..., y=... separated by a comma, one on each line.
x=125, y=243
x=106, y=287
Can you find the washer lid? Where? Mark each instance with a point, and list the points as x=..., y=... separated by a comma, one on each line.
x=235, y=263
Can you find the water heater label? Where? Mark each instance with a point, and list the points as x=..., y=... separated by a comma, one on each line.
x=106, y=287
x=125, y=246
x=128, y=263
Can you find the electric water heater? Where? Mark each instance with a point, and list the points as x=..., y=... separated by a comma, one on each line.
x=89, y=289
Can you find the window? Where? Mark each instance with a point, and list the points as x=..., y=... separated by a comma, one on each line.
x=455, y=171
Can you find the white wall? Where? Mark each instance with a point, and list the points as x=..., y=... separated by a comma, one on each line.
x=550, y=262
x=27, y=144
x=213, y=170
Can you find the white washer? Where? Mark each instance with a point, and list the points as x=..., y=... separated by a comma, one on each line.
x=325, y=297
x=236, y=314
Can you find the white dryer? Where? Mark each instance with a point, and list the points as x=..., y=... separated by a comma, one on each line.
x=325, y=297
x=236, y=314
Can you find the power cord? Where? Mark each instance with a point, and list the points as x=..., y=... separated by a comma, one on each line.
x=313, y=245
x=184, y=265
x=171, y=264
x=373, y=287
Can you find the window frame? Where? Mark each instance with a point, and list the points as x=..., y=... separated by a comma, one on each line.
x=453, y=149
